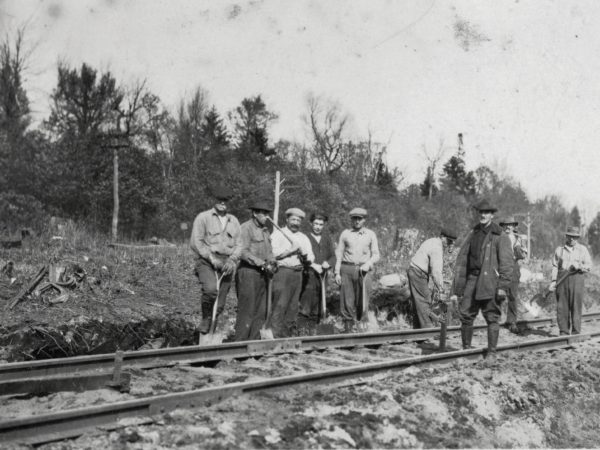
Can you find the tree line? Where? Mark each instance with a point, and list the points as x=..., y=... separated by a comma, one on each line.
x=99, y=130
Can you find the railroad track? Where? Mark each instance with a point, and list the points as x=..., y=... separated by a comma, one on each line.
x=317, y=359
x=79, y=367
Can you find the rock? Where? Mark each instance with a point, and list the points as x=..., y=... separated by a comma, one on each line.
x=392, y=280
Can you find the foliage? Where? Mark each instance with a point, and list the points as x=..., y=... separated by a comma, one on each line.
x=168, y=163
x=594, y=235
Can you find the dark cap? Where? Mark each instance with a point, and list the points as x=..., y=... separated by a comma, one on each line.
x=450, y=234
x=485, y=205
x=573, y=231
x=221, y=192
x=260, y=205
x=317, y=215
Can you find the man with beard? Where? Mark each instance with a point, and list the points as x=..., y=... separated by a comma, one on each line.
x=484, y=267
x=569, y=264
x=428, y=262
x=257, y=266
x=216, y=242
x=519, y=253
x=324, y=251
x=356, y=253
x=293, y=252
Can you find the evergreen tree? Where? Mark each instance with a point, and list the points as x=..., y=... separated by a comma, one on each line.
x=214, y=131
x=251, y=122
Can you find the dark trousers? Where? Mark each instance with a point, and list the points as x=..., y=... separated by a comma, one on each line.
x=469, y=307
x=287, y=285
x=512, y=294
x=207, y=277
x=351, y=292
x=251, y=286
x=310, y=299
x=418, y=282
x=569, y=295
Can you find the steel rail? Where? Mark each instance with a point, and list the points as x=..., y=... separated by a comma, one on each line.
x=72, y=423
x=79, y=365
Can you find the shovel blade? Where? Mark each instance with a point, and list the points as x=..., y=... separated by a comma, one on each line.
x=266, y=333
x=210, y=339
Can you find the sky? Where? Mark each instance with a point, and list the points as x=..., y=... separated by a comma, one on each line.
x=519, y=79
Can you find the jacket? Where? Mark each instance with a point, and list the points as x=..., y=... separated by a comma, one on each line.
x=496, y=269
x=210, y=238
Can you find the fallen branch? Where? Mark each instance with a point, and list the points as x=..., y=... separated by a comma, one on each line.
x=141, y=247
x=29, y=288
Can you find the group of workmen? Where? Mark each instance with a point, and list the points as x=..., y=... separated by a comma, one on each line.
x=288, y=264
x=287, y=269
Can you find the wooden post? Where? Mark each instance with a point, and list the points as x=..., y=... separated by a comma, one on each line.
x=277, y=187
x=528, y=223
x=115, y=216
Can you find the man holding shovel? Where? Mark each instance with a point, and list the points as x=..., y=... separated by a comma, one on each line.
x=257, y=266
x=427, y=263
x=569, y=264
x=323, y=249
x=356, y=253
x=216, y=242
x=293, y=252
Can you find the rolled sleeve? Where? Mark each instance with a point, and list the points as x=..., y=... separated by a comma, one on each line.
x=436, y=262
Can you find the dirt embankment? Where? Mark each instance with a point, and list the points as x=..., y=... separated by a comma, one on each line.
x=135, y=298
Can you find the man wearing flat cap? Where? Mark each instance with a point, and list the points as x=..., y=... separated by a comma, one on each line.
x=257, y=266
x=426, y=264
x=356, y=253
x=483, y=272
x=293, y=253
x=216, y=242
x=519, y=253
x=569, y=264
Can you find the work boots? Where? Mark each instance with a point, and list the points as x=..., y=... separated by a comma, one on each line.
x=493, y=333
x=466, y=334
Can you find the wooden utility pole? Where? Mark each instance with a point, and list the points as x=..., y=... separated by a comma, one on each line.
x=277, y=194
x=116, y=141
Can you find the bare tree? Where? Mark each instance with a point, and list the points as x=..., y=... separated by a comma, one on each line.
x=433, y=158
x=327, y=125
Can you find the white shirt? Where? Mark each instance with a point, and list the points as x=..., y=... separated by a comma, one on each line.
x=281, y=245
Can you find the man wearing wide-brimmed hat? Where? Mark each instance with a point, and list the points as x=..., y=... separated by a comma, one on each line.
x=510, y=225
x=216, y=242
x=356, y=253
x=257, y=265
x=428, y=263
x=293, y=252
x=483, y=272
x=569, y=263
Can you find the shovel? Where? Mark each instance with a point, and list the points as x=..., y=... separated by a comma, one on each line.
x=267, y=333
x=558, y=283
x=324, y=328
x=212, y=338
